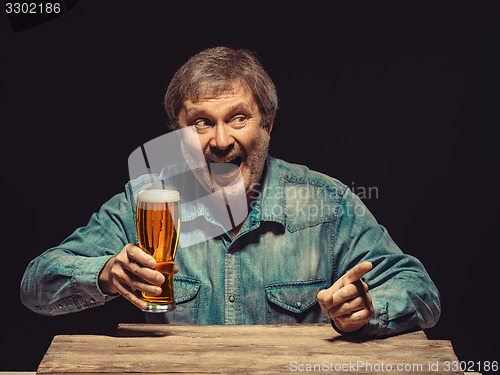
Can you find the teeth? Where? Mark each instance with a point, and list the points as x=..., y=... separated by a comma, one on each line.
x=224, y=161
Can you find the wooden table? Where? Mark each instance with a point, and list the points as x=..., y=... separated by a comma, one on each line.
x=269, y=349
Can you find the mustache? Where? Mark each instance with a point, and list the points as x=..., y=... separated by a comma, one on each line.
x=215, y=153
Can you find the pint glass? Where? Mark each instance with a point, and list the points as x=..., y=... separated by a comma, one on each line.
x=158, y=225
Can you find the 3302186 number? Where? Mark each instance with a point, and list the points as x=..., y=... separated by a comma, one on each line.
x=32, y=8
x=470, y=366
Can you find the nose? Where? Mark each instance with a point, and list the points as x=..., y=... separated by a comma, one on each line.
x=222, y=138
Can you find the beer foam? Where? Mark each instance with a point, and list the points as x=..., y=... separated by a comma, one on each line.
x=159, y=196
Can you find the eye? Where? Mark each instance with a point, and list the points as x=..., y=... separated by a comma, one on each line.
x=201, y=124
x=238, y=121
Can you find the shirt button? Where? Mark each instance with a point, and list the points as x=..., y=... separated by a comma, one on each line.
x=231, y=299
x=254, y=223
x=299, y=304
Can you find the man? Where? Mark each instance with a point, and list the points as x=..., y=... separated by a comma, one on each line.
x=308, y=249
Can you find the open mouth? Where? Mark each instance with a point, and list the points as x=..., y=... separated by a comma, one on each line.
x=226, y=169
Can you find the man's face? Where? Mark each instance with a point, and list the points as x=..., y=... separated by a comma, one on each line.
x=232, y=140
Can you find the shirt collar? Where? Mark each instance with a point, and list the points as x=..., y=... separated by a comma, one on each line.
x=270, y=205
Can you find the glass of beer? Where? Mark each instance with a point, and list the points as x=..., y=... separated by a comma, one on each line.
x=158, y=225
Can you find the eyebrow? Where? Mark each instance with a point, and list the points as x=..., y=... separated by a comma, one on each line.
x=240, y=107
x=195, y=112
x=198, y=111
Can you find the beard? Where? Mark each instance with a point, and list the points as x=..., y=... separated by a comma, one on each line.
x=229, y=176
x=238, y=177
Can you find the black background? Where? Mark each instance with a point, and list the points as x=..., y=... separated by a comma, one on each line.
x=401, y=96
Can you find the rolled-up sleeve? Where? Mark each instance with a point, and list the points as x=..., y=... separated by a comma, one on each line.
x=64, y=279
x=404, y=296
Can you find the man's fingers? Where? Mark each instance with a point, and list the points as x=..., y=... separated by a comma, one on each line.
x=351, y=306
x=140, y=264
x=347, y=308
x=349, y=292
x=144, y=259
x=138, y=284
x=347, y=301
x=129, y=280
x=356, y=320
x=130, y=295
x=132, y=269
x=324, y=298
x=143, y=273
x=328, y=299
x=356, y=273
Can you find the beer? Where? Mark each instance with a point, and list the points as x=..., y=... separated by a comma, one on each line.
x=158, y=225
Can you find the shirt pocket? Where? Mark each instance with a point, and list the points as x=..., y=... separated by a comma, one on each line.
x=186, y=301
x=295, y=302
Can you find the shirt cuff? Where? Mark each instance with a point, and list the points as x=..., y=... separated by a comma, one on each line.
x=85, y=281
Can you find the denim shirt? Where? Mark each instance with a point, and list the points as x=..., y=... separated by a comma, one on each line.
x=304, y=231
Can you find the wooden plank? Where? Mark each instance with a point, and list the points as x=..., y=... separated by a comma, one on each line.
x=272, y=349
x=147, y=330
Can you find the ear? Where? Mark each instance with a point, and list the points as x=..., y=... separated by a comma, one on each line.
x=270, y=125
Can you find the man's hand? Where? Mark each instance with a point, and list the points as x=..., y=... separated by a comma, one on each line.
x=132, y=269
x=347, y=301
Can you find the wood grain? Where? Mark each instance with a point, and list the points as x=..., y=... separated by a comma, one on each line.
x=270, y=349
